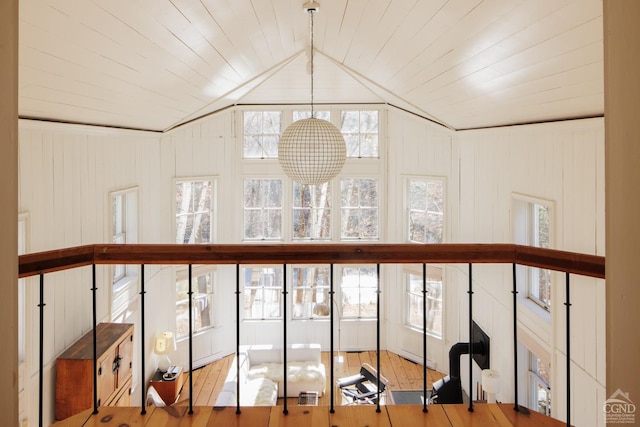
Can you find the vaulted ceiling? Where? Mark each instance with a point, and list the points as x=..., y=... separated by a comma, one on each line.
x=154, y=64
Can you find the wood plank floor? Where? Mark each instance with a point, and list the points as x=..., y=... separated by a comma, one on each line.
x=402, y=374
x=484, y=415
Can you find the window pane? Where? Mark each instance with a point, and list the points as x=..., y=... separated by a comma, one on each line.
x=425, y=209
x=202, y=303
x=312, y=211
x=311, y=292
x=415, y=300
x=261, y=133
x=360, y=131
x=359, y=297
x=262, y=292
x=359, y=198
x=263, y=209
x=194, y=205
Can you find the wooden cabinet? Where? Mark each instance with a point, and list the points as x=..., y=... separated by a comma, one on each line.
x=74, y=370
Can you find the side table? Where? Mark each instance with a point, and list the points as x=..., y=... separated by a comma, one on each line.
x=169, y=390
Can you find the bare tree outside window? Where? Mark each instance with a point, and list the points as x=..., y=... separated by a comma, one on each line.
x=425, y=210
x=262, y=131
x=311, y=292
x=415, y=301
x=359, y=292
x=262, y=292
x=194, y=210
x=262, y=209
x=311, y=211
x=359, y=204
x=360, y=132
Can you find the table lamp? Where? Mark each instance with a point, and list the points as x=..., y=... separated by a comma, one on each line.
x=165, y=344
x=491, y=384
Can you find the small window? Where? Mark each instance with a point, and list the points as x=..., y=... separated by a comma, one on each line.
x=299, y=115
x=311, y=292
x=202, y=285
x=359, y=292
x=124, y=229
x=539, y=385
x=359, y=209
x=415, y=301
x=263, y=288
x=311, y=211
x=425, y=210
x=360, y=131
x=194, y=210
x=533, y=226
x=262, y=209
x=261, y=134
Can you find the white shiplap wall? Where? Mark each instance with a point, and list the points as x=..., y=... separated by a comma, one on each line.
x=67, y=172
x=562, y=162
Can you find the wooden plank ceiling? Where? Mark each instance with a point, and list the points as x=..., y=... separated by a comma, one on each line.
x=154, y=64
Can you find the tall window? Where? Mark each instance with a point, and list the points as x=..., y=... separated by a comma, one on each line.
x=310, y=292
x=360, y=131
x=311, y=211
x=359, y=292
x=540, y=278
x=415, y=300
x=124, y=229
x=533, y=226
x=262, y=209
x=359, y=205
x=202, y=285
x=262, y=292
x=261, y=134
x=425, y=210
x=539, y=385
x=194, y=210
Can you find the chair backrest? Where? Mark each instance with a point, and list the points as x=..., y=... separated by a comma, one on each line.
x=371, y=375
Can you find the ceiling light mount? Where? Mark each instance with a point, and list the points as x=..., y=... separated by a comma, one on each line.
x=312, y=151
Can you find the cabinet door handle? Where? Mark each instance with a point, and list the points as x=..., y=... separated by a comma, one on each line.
x=116, y=364
x=100, y=370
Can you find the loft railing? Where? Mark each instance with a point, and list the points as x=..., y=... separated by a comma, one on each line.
x=69, y=258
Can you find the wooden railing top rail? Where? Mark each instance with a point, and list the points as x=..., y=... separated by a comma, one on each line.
x=392, y=253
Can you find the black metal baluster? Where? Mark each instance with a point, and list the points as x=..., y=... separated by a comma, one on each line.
x=516, y=405
x=41, y=351
x=331, y=362
x=378, y=335
x=95, y=340
x=470, y=292
x=284, y=332
x=190, y=339
x=238, y=411
x=143, y=346
x=424, y=337
x=567, y=303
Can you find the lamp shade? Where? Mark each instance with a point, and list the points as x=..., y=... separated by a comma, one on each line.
x=490, y=381
x=165, y=343
x=312, y=151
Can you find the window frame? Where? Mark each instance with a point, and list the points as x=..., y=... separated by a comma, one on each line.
x=343, y=294
x=278, y=290
x=408, y=210
x=212, y=206
x=345, y=218
x=313, y=212
x=262, y=134
x=182, y=274
x=263, y=209
x=525, y=232
x=325, y=288
x=535, y=380
x=408, y=271
x=360, y=134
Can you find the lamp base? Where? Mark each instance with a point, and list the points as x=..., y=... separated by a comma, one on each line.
x=164, y=363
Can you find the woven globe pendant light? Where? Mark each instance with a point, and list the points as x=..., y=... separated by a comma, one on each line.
x=312, y=151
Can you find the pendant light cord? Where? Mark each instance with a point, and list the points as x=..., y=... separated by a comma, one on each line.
x=313, y=115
